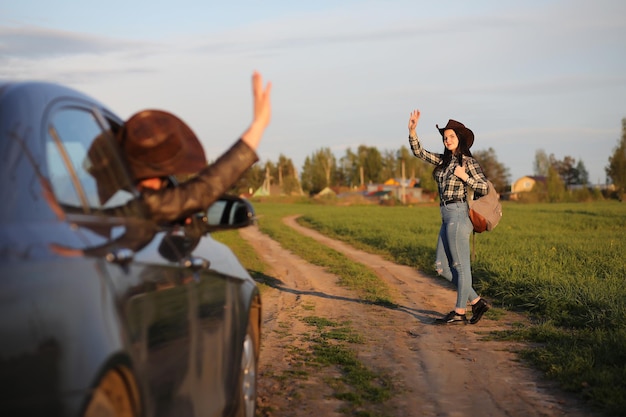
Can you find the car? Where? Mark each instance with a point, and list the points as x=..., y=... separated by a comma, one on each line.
x=102, y=310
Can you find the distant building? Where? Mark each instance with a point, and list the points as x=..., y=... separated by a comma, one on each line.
x=326, y=192
x=265, y=190
x=407, y=191
x=524, y=184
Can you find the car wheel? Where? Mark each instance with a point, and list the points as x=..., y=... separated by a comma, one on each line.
x=248, y=375
x=115, y=395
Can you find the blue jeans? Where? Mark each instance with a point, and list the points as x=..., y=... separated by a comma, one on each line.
x=453, y=251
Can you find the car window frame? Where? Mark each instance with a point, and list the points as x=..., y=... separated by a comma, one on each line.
x=137, y=229
x=106, y=123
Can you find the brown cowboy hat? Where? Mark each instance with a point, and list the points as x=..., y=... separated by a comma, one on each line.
x=461, y=131
x=157, y=144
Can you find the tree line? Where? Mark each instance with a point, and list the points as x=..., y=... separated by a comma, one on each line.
x=368, y=165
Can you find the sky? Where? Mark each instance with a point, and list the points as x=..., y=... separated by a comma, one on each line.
x=545, y=75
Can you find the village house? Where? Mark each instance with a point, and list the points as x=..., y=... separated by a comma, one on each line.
x=524, y=184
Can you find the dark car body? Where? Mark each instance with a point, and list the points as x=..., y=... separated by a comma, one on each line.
x=102, y=311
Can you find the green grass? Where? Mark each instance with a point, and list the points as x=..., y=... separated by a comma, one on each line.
x=357, y=384
x=328, y=344
x=247, y=256
x=563, y=264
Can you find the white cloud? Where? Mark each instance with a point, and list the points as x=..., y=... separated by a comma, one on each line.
x=534, y=74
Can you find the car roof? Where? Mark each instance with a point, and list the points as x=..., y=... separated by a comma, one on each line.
x=24, y=106
x=47, y=88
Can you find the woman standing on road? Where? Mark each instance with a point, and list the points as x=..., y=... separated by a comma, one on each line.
x=455, y=170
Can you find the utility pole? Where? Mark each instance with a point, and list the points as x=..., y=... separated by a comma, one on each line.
x=403, y=184
x=362, y=176
x=267, y=181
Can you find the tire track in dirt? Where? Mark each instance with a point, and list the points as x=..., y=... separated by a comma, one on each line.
x=437, y=370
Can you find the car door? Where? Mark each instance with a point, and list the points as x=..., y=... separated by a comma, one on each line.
x=93, y=188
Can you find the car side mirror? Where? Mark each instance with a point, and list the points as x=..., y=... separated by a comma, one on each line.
x=229, y=212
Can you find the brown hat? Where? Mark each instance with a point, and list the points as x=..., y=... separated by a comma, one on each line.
x=461, y=131
x=157, y=144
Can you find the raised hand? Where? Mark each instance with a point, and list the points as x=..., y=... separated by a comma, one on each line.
x=262, y=111
x=262, y=105
x=415, y=115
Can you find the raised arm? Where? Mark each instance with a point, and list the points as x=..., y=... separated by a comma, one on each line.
x=197, y=194
x=262, y=112
x=416, y=147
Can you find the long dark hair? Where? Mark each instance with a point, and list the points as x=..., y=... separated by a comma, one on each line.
x=461, y=150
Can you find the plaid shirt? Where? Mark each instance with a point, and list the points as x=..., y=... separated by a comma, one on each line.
x=450, y=186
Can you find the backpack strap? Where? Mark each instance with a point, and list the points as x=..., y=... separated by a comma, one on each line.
x=470, y=199
x=468, y=190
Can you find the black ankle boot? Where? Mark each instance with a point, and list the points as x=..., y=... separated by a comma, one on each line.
x=478, y=310
x=452, y=317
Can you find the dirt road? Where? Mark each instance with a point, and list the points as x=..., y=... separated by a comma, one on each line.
x=437, y=370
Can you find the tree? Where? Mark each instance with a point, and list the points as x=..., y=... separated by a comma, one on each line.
x=348, y=169
x=365, y=166
x=287, y=176
x=318, y=170
x=391, y=167
x=583, y=174
x=552, y=189
x=571, y=172
x=495, y=171
x=566, y=170
x=542, y=163
x=250, y=181
x=372, y=162
x=555, y=186
x=413, y=167
x=616, y=170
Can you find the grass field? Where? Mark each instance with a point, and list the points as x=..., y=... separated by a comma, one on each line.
x=563, y=264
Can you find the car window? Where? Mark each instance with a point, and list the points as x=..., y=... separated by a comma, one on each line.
x=84, y=165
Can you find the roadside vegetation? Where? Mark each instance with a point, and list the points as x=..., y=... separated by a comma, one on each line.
x=361, y=388
x=562, y=264
x=326, y=351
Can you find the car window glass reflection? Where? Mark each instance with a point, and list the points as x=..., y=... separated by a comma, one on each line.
x=59, y=177
x=215, y=211
x=84, y=165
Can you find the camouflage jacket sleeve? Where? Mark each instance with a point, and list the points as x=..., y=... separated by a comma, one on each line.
x=199, y=192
